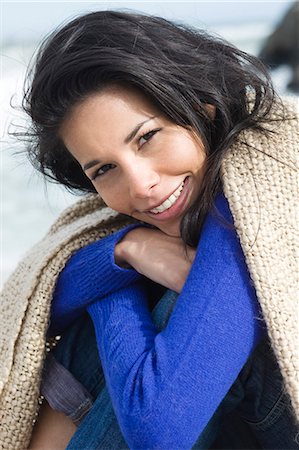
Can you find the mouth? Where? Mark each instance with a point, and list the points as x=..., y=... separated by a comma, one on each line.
x=173, y=205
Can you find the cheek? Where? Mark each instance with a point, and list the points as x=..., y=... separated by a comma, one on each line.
x=183, y=156
x=114, y=198
x=187, y=159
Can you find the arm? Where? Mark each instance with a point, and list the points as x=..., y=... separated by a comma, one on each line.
x=166, y=386
x=90, y=274
x=95, y=271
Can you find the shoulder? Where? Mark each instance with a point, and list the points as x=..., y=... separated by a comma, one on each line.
x=277, y=142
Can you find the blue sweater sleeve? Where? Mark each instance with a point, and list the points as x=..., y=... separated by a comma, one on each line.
x=165, y=386
x=90, y=274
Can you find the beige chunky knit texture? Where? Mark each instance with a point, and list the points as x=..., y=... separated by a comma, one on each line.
x=261, y=184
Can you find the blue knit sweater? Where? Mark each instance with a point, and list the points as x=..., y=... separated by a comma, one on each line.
x=165, y=386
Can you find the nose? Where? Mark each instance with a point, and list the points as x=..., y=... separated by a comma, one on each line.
x=141, y=180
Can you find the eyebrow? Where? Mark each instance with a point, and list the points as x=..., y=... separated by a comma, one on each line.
x=126, y=141
x=136, y=129
x=90, y=164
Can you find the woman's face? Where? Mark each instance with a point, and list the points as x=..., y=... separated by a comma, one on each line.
x=140, y=163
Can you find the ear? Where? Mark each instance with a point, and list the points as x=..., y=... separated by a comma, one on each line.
x=211, y=110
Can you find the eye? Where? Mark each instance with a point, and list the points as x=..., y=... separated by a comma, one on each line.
x=102, y=170
x=147, y=136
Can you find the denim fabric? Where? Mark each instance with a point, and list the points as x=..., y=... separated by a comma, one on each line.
x=254, y=414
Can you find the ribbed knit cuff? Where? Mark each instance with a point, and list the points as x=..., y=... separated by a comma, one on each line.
x=92, y=273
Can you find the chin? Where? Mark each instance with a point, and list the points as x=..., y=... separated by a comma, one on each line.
x=173, y=231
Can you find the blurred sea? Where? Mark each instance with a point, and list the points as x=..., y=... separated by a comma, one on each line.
x=28, y=205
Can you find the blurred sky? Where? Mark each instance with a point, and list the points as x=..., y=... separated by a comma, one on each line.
x=29, y=21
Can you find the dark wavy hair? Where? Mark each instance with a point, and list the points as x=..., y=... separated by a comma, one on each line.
x=179, y=68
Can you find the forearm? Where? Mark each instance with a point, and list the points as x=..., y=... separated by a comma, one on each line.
x=165, y=387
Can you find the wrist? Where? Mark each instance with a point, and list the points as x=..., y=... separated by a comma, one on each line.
x=121, y=255
x=130, y=248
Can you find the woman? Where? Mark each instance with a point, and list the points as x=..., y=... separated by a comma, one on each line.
x=177, y=130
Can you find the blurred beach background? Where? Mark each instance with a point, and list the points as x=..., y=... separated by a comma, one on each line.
x=28, y=204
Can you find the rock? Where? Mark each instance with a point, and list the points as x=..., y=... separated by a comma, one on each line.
x=282, y=46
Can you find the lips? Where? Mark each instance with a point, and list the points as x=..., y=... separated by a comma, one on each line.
x=173, y=208
x=166, y=204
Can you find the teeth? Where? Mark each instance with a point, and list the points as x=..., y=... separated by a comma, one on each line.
x=169, y=201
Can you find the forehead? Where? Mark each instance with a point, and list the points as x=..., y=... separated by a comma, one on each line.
x=110, y=103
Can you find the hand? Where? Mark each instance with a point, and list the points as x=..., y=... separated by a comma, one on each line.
x=163, y=259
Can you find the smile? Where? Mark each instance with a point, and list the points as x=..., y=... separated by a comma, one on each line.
x=169, y=202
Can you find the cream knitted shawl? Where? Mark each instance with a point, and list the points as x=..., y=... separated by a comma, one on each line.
x=260, y=182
